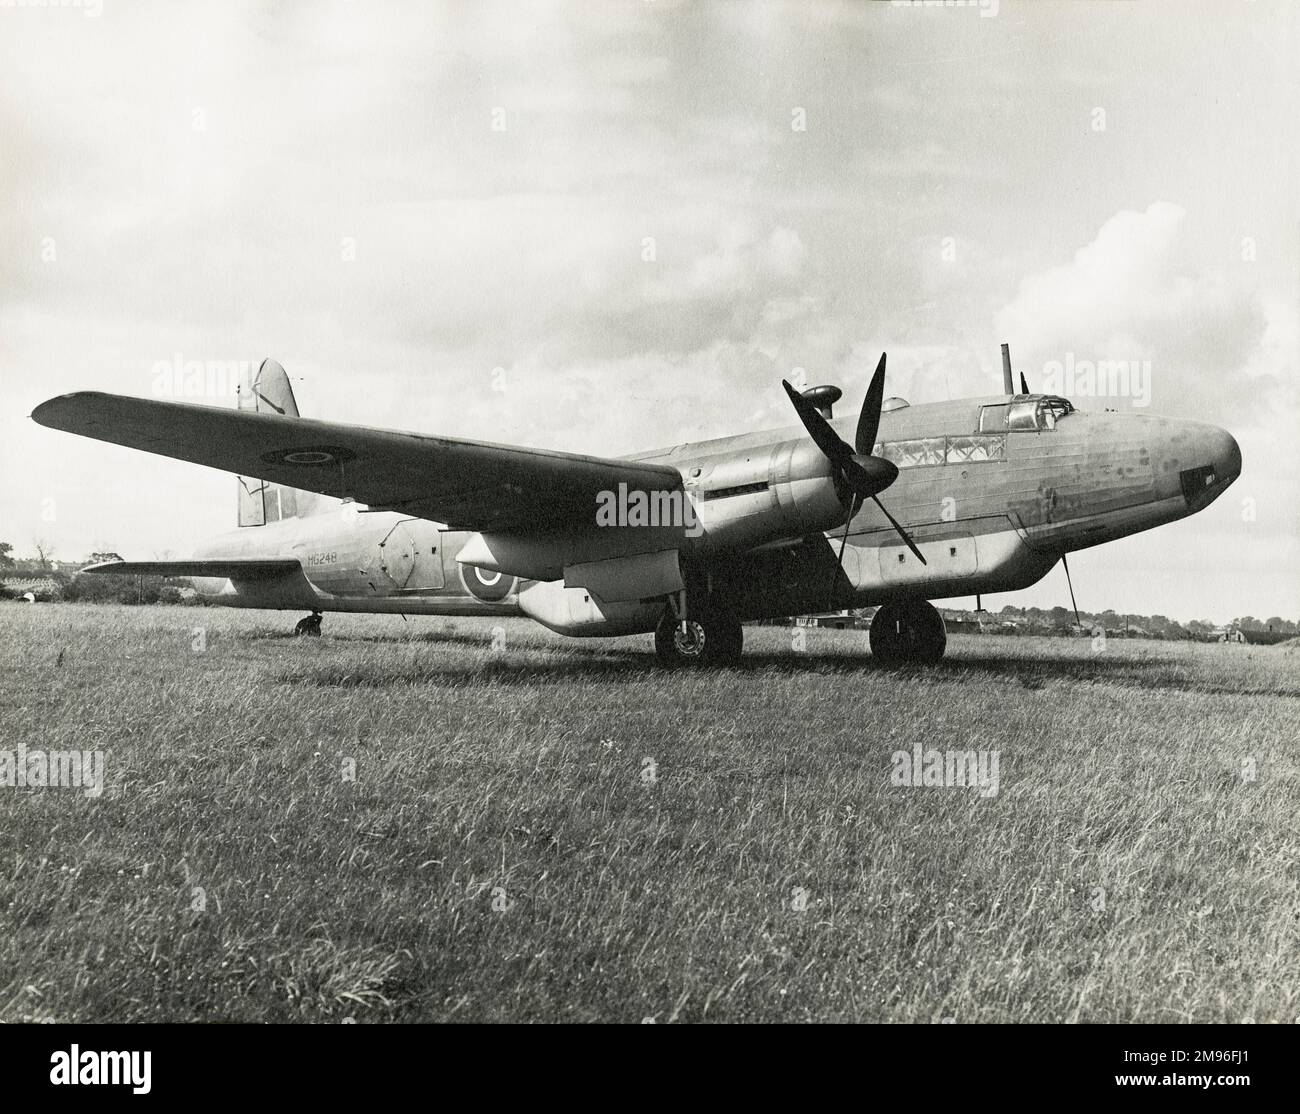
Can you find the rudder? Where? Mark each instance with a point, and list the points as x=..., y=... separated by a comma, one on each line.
x=269, y=392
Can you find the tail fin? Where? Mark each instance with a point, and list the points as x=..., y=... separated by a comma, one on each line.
x=269, y=392
x=261, y=502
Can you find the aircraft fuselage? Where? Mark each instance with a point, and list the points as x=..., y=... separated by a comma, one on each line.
x=993, y=492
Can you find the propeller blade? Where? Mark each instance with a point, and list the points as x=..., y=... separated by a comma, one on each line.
x=839, y=561
x=819, y=429
x=1024, y=387
x=901, y=532
x=869, y=419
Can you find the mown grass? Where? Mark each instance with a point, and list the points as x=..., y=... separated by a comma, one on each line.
x=556, y=830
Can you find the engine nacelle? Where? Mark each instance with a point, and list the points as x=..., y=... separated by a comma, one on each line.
x=733, y=502
x=579, y=612
x=781, y=491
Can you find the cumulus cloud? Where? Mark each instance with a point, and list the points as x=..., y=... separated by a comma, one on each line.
x=1130, y=295
x=1117, y=282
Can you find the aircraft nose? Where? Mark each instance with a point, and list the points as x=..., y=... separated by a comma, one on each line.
x=1218, y=463
x=1226, y=454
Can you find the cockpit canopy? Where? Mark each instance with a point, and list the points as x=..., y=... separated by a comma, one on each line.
x=1026, y=413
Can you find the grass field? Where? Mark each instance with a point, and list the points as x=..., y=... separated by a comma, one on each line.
x=399, y=822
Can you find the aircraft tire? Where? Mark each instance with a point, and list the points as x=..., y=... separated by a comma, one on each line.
x=308, y=627
x=714, y=637
x=908, y=633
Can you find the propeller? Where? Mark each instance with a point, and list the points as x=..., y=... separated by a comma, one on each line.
x=1024, y=387
x=863, y=474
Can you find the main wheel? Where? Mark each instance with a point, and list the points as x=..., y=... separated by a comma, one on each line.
x=308, y=627
x=712, y=637
x=911, y=632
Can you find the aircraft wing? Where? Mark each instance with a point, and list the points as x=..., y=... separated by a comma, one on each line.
x=232, y=568
x=473, y=485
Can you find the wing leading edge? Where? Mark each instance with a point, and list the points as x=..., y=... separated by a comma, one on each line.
x=473, y=485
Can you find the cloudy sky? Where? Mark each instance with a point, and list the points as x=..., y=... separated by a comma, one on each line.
x=611, y=226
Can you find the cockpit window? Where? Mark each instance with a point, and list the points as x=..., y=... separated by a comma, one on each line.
x=1029, y=415
x=1051, y=410
x=993, y=419
x=1022, y=415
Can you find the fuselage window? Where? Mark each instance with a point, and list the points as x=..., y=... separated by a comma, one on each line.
x=976, y=447
x=914, y=454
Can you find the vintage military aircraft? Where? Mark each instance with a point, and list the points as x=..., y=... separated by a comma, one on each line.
x=689, y=542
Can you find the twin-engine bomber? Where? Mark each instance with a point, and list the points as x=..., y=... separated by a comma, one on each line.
x=984, y=495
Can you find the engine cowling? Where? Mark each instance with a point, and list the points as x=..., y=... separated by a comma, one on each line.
x=786, y=490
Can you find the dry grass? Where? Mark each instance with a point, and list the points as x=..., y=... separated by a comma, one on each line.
x=503, y=855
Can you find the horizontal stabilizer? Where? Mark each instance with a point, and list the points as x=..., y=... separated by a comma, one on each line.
x=233, y=568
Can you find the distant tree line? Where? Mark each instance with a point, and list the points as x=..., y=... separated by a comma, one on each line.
x=62, y=581
x=128, y=589
x=1155, y=626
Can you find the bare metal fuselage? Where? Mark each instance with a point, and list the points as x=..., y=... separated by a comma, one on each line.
x=991, y=513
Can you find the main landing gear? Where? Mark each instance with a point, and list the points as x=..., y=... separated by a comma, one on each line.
x=710, y=635
x=908, y=633
x=308, y=627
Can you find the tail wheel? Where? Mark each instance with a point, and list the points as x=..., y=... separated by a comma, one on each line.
x=911, y=632
x=308, y=627
x=710, y=636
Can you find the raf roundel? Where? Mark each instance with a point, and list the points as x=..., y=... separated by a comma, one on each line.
x=310, y=456
x=486, y=584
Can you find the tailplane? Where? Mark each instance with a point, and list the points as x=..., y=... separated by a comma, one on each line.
x=269, y=392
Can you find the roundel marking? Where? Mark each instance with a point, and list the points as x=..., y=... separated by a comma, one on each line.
x=310, y=456
x=486, y=584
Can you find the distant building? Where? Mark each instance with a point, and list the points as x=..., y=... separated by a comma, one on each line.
x=960, y=622
x=835, y=620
